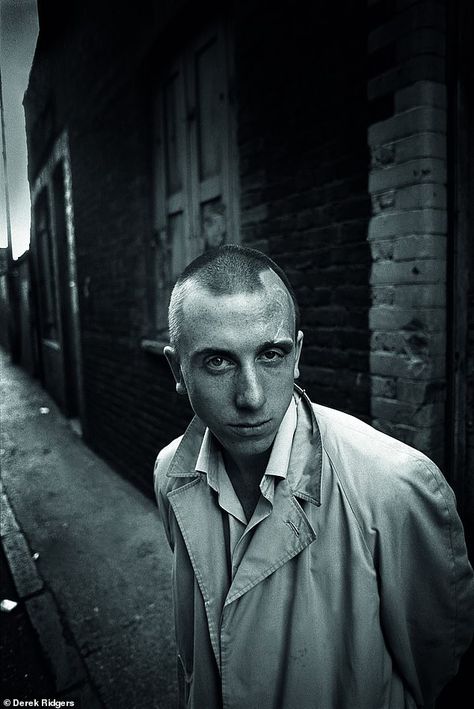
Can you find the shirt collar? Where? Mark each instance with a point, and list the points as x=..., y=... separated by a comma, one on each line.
x=208, y=460
x=281, y=450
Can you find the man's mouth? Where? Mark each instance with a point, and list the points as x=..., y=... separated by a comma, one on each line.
x=249, y=427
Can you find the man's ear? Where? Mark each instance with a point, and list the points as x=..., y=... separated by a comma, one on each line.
x=298, y=346
x=173, y=361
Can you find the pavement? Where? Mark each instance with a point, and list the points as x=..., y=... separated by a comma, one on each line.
x=90, y=567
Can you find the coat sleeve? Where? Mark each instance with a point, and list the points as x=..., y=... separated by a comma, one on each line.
x=426, y=582
x=162, y=486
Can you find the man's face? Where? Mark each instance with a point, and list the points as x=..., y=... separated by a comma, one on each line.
x=237, y=361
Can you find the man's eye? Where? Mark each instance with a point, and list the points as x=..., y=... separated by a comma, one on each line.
x=271, y=355
x=217, y=363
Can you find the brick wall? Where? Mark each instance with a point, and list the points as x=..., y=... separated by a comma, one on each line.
x=407, y=232
x=303, y=166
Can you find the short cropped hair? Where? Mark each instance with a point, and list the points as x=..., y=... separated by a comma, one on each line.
x=225, y=270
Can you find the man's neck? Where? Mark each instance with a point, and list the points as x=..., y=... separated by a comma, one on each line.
x=245, y=475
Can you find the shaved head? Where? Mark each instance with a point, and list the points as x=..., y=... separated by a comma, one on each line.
x=227, y=270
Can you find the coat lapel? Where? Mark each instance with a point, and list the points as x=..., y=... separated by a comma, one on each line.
x=277, y=539
x=305, y=466
x=201, y=524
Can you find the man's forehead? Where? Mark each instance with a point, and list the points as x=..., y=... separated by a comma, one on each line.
x=272, y=295
x=265, y=314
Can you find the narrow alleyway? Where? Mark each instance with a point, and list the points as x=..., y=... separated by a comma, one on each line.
x=90, y=561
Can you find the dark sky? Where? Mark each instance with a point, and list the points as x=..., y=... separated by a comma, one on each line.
x=18, y=33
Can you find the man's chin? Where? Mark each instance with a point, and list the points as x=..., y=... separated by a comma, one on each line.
x=248, y=447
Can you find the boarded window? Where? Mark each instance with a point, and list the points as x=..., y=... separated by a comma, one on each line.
x=195, y=187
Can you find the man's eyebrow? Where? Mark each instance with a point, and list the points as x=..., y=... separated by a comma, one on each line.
x=285, y=343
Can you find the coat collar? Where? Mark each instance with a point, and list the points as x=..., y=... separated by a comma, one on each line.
x=304, y=468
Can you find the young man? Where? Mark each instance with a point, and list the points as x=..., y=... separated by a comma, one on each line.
x=316, y=561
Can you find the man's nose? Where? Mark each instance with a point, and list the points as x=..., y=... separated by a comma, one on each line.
x=249, y=393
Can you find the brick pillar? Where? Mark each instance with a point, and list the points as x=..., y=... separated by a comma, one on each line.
x=408, y=228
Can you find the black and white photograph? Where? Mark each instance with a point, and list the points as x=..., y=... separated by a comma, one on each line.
x=237, y=354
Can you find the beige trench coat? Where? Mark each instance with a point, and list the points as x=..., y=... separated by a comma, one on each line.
x=354, y=593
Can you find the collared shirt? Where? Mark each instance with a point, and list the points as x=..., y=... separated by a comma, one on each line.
x=211, y=462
